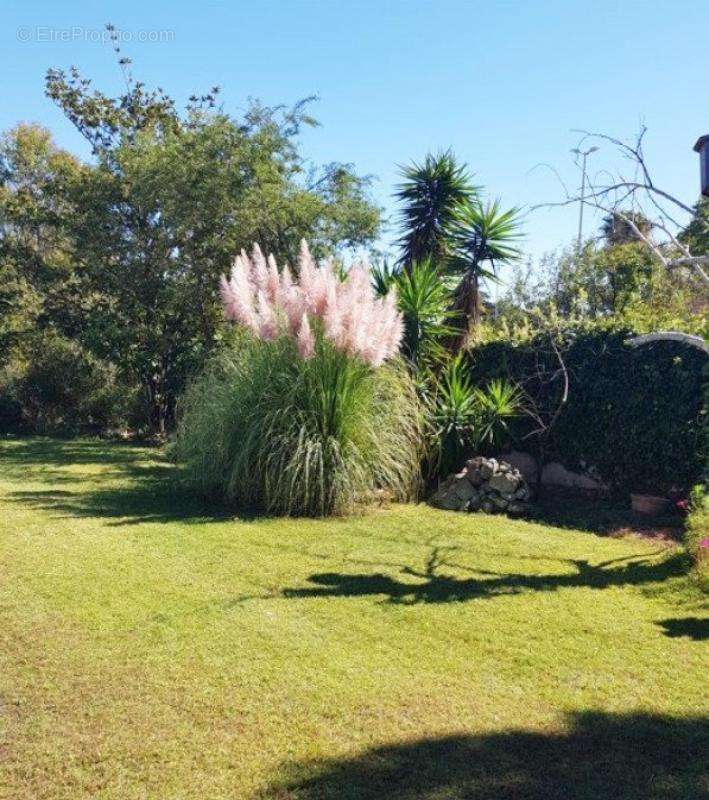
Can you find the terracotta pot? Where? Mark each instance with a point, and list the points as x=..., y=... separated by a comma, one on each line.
x=650, y=505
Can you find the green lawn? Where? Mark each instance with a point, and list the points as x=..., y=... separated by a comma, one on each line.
x=152, y=647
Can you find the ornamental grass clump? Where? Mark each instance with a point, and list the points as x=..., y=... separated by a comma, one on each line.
x=309, y=411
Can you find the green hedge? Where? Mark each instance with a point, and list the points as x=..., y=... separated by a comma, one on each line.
x=637, y=415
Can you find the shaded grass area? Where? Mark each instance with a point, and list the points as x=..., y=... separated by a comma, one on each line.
x=152, y=646
x=597, y=756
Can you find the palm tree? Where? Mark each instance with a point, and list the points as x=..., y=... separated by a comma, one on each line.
x=482, y=237
x=431, y=193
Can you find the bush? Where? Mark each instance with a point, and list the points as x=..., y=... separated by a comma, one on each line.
x=307, y=414
x=466, y=420
x=57, y=387
x=635, y=414
x=264, y=428
x=10, y=409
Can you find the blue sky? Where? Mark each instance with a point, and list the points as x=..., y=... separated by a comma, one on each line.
x=502, y=83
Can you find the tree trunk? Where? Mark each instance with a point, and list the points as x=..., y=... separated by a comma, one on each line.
x=158, y=406
x=466, y=306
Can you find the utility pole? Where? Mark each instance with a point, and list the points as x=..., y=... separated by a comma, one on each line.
x=584, y=155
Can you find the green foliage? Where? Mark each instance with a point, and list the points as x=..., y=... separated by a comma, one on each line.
x=466, y=418
x=482, y=236
x=696, y=235
x=424, y=301
x=38, y=287
x=430, y=196
x=263, y=428
x=621, y=283
x=697, y=532
x=635, y=414
x=58, y=387
x=123, y=255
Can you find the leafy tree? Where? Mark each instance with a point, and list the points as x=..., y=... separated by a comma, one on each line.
x=172, y=198
x=696, y=234
x=37, y=281
x=430, y=194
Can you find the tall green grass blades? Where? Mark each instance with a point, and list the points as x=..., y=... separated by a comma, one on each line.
x=264, y=428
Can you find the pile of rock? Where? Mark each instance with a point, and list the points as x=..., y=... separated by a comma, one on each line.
x=485, y=484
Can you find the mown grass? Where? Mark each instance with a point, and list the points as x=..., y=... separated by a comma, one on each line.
x=152, y=647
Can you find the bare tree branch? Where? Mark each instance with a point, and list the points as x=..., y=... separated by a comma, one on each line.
x=621, y=197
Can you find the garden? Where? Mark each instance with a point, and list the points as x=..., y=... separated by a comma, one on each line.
x=285, y=517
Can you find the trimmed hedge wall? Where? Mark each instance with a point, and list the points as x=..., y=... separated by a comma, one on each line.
x=637, y=415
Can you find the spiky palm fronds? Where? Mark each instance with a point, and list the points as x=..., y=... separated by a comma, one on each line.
x=482, y=237
x=424, y=299
x=430, y=193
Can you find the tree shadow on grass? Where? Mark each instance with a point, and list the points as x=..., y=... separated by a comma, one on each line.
x=695, y=628
x=41, y=451
x=601, y=756
x=434, y=586
x=604, y=517
x=149, y=488
x=160, y=501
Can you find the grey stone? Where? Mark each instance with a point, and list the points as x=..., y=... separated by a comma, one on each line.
x=447, y=501
x=464, y=490
x=504, y=483
x=473, y=504
x=485, y=484
x=487, y=469
x=475, y=477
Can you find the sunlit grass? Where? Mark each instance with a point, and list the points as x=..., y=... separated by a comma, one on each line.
x=154, y=647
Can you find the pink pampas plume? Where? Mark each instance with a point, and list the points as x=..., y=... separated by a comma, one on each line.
x=273, y=283
x=266, y=315
x=259, y=269
x=305, y=340
x=240, y=295
x=345, y=312
x=226, y=294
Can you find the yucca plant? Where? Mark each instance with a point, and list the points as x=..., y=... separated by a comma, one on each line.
x=423, y=299
x=309, y=411
x=453, y=415
x=430, y=195
x=466, y=418
x=497, y=403
x=482, y=236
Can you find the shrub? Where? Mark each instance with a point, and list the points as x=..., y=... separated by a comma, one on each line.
x=57, y=387
x=636, y=414
x=10, y=409
x=300, y=415
x=467, y=419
